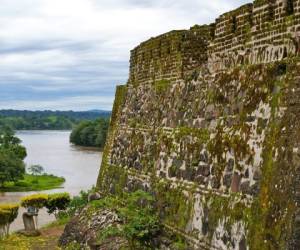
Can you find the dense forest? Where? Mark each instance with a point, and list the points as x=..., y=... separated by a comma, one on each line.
x=90, y=133
x=31, y=120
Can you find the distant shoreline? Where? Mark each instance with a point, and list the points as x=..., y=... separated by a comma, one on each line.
x=87, y=148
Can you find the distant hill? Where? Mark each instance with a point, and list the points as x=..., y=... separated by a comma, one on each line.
x=47, y=119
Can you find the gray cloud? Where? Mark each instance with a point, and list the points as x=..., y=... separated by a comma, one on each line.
x=70, y=54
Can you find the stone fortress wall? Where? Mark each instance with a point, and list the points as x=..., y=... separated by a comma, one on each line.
x=209, y=123
x=265, y=31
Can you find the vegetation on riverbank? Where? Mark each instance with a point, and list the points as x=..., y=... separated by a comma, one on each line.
x=12, y=155
x=90, y=133
x=33, y=183
x=47, y=120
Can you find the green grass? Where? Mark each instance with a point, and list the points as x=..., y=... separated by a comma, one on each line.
x=46, y=241
x=33, y=183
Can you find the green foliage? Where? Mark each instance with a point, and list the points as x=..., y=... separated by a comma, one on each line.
x=12, y=154
x=26, y=120
x=8, y=213
x=141, y=223
x=36, y=169
x=90, y=133
x=162, y=85
x=36, y=200
x=57, y=202
x=78, y=202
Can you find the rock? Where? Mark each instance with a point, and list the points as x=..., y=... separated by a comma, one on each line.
x=254, y=189
x=215, y=183
x=257, y=175
x=235, y=184
x=94, y=196
x=30, y=221
x=87, y=225
x=177, y=163
x=227, y=180
x=204, y=157
x=162, y=174
x=242, y=244
x=245, y=187
x=246, y=174
x=200, y=180
x=230, y=165
x=137, y=165
x=204, y=170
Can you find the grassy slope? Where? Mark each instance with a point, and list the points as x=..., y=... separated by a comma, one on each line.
x=34, y=183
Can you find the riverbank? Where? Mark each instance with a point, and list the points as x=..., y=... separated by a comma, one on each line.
x=34, y=183
x=52, y=150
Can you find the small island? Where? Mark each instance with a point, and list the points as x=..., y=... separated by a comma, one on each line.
x=33, y=183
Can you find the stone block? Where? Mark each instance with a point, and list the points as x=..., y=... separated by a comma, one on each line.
x=235, y=183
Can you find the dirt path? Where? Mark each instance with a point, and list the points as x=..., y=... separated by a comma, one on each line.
x=46, y=241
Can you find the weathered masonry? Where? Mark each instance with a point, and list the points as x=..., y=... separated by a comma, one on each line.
x=209, y=121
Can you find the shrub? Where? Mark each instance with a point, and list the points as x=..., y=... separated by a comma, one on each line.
x=57, y=202
x=79, y=202
x=36, y=169
x=36, y=200
x=141, y=224
x=8, y=213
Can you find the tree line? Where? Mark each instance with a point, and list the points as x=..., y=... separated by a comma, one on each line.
x=90, y=133
x=47, y=120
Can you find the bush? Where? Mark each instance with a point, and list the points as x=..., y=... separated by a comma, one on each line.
x=79, y=202
x=36, y=169
x=36, y=200
x=8, y=213
x=141, y=224
x=22, y=184
x=57, y=202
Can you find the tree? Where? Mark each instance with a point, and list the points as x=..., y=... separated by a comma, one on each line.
x=36, y=169
x=10, y=142
x=90, y=133
x=57, y=202
x=12, y=154
x=12, y=168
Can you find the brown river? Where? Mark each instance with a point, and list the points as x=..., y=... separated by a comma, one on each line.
x=51, y=149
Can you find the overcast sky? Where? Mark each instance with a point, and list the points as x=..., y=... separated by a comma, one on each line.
x=70, y=54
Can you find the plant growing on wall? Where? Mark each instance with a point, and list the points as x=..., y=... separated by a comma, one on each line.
x=141, y=224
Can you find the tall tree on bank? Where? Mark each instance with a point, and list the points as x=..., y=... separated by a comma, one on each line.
x=12, y=154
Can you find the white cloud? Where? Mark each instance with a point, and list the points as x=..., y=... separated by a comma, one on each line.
x=77, y=103
x=62, y=49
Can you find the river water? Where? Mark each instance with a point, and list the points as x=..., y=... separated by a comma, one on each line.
x=51, y=149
